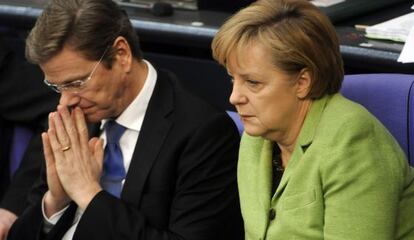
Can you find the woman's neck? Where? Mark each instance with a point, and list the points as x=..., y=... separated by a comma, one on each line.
x=288, y=142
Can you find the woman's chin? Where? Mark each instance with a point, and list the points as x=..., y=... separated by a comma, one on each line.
x=253, y=131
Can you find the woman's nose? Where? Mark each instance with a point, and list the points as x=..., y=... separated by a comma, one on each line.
x=236, y=96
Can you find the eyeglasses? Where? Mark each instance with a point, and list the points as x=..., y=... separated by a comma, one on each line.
x=75, y=85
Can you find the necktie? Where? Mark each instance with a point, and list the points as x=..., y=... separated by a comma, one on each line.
x=113, y=168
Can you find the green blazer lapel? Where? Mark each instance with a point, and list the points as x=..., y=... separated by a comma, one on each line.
x=254, y=179
x=297, y=154
x=264, y=176
x=311, y=123
x=305, y=139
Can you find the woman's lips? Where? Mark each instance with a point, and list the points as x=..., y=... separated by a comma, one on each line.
x=245, y=116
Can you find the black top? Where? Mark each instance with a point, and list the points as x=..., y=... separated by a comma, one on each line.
x=277, y=168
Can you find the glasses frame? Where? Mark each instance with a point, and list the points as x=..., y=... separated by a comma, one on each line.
x=75, y=85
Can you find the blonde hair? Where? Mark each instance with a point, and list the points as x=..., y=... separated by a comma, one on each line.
x=297, y=35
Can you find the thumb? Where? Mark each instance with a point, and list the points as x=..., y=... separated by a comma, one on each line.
x=91, y=145
x=99, y=152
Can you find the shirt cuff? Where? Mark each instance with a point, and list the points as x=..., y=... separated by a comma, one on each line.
x=50, y=222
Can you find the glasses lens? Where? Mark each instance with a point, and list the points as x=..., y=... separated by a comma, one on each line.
x=75, y=85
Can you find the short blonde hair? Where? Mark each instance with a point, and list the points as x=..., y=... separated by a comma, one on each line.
x=296, y=33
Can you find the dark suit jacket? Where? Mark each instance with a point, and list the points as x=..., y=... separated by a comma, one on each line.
x=181, y=183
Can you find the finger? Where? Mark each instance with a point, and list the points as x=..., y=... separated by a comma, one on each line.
x=81, y=126
x=96, y=145
x=56, y=148
x=47, y=151
x=60, y=132
x=91, y=144
x=68, y=126
x=99, y=154
x=51, y=121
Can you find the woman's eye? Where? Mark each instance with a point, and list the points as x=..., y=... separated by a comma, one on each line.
x=252, y=82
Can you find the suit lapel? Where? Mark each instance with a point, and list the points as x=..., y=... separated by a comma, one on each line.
x=153, y=133
x=296, y=156
x=264, y=176
x=94, y=130
x=305, y=139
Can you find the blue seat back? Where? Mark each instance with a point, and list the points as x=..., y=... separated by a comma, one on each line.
x=236, y=120
x=20, y=140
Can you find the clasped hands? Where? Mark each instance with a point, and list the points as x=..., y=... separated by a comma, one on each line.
x=73, y=162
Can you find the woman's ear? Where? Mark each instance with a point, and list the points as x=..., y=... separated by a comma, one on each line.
x=304, y=83
x=123, y=54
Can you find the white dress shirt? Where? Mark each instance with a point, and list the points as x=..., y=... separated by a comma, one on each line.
x=131, y=118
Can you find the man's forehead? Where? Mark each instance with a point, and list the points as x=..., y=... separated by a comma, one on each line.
x=66, y=66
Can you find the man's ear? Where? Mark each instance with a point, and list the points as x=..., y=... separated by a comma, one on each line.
x=304, y=83
x=123, y=54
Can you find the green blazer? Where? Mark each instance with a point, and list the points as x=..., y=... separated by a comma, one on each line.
x=347, y=179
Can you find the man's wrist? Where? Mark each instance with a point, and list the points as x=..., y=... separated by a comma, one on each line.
x=53, y=205
x=86, y=197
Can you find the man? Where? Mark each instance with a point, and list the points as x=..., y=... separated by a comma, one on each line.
x=169, y=167
x=26, y=102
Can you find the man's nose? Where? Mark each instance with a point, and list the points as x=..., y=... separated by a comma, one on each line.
x=69, y=99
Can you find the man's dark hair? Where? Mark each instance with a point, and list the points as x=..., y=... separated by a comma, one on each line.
x=87, y=26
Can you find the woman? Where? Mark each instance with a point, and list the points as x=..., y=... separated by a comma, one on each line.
x=312, y=164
